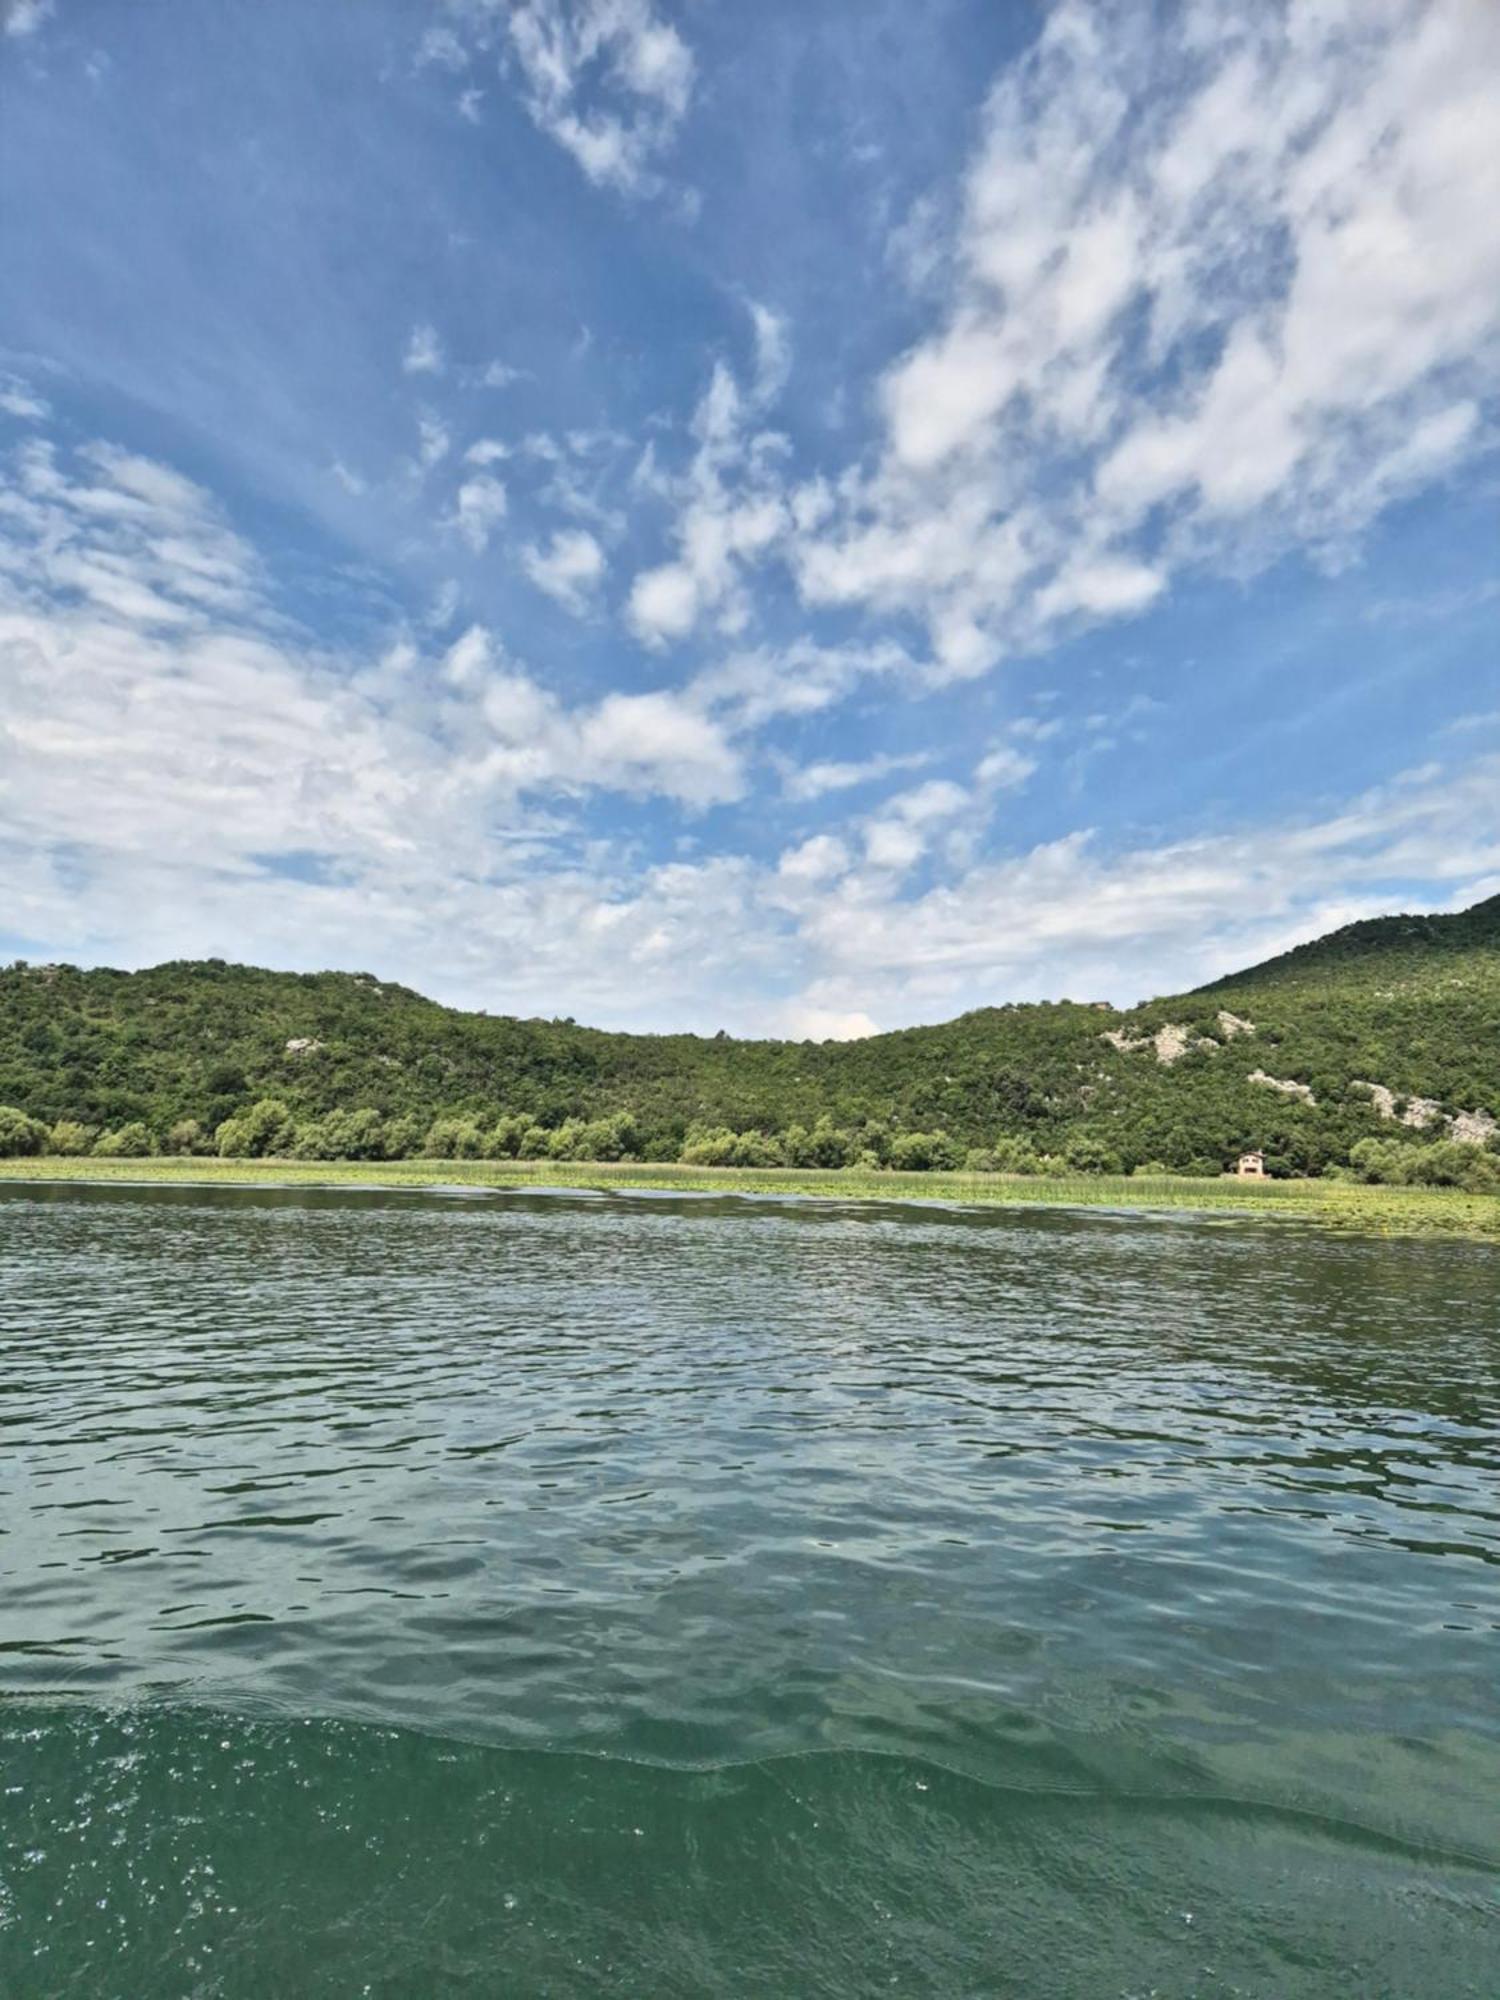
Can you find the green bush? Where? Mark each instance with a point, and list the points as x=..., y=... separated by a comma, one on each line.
x=20, y=1135
x=69, y=1138
x=454, y=1139
x=925, y=1152
x=342, y=1135
x=265, y=1129
x=129, y=1142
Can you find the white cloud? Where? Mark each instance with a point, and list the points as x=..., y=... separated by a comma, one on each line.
x=1004, y=768
x=814, y=781
x=570, y=569
x=151, y=685
x=1069, y=917
x=609, y=80
x=487, y=451
x=441, y=48
x=478, y=509
x=664, y=603
x=24, y=17
x=820, y=859
x=900, y=834
x=773, y=352
x=166, y=735
x=424, y=352
x=18, y=399
x=433, y=440
x=803, y=678
x=1207, y=297
x=645, y=743
x=731, y=512
x=804, y=1021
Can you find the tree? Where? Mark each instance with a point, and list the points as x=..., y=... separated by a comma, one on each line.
x=131, y=1142
x=265, y=1128
x=454, y=1139
x=20, y=1136
x=70, y=1138
x=924, y=1152
x=1087, y=1154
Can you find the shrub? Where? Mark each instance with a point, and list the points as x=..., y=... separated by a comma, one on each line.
x=454, y=1139
x=342, y=1135
x=613, y=1138
x=924, y=1152
x=129, y=1142
x=403, y=1136
x=186, y=1136
x=709, y=1146
x=720, y=1146
x=20, y=1135
x=505, y=1140
x=265, y=1128
x=1086, y=1154
x=69, y=1138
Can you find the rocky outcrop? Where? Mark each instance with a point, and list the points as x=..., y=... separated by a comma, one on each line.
x=302, y=1045
x=1469, y=1128
x=1473, y=1128
x=1231, y=1025
x=1420, y=1112
x=1288, y=1086
x=1171, y=1043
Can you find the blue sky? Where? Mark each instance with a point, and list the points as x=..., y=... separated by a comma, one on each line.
x=791, y=519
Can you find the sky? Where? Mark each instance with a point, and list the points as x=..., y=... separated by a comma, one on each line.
x=793, y=519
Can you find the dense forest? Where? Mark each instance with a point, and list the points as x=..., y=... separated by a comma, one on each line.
x=1375, y=1050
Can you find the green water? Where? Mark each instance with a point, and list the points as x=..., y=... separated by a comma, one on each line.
x=409, y=1595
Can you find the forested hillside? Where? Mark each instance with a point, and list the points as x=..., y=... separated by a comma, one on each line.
x=1386, y=1031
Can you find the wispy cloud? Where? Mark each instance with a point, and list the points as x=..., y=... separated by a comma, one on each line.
x=424, y=352
x=815, y=781
x=609, y=80
x=569, y=568
x=24, y=17
x=1207, y=298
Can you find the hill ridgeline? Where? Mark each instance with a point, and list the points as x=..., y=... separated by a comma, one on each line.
x=1377, y=1045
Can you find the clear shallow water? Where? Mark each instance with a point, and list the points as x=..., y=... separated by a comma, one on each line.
x=571, y=1595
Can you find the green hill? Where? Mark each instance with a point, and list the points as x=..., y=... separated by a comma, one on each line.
x=1282, y=1057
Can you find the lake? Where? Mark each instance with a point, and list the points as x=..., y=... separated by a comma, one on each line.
x=409, y=1594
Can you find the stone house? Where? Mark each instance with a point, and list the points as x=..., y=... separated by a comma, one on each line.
x=1251, y=1166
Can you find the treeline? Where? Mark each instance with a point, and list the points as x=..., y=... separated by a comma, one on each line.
x=269, y=1130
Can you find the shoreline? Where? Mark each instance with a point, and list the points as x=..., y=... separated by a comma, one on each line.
x=1338, y=1205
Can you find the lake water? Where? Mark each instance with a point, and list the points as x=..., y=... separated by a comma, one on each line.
x=409, y=1595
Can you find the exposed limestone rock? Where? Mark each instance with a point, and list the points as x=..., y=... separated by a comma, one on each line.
x=1420, y=1112
x=1472, y=1128
x=1383, y=1100
x=302, y=1045
x=1171, y=1043
x=1288, y=1086
x=1231, y=1025
x=1469, y=1128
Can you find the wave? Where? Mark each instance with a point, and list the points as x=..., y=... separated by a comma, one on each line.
x=168, y=1848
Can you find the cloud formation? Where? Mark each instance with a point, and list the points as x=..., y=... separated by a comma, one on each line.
x=609, y=80
x=172, y=745
x=1204, y=298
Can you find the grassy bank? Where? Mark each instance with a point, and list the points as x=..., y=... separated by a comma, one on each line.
x=1335, y=1204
